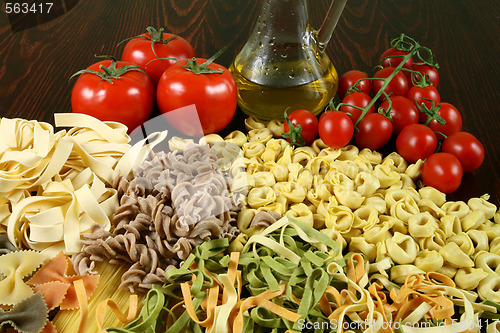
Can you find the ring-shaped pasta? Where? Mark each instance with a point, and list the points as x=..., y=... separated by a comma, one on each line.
x=401, y=248
x=365, y=217
x=458, y=208
x=399, y=273
x=435, y=242
x=427, y=205
x=360, y=245
x=236, y=137
x=262, y=135
x=473, y=220
x=348, y=197
x=494, y=245
x=261, y=196
x=431, y=193
x=303, y=155
x=302, y=213
x=280, y=171
x=292, y=191
x=253, y=149
x=366, y=184
x=253, y=123
x=272, y=151
x=469, y=278
x=392, y=196
x=422, y=225
x=464, y=243
x=414, y=171
x=489, y=288
x=404, y=209
x=276, y=127
x=488, y=262
x=455, y=257
x=339, y=218
x=399, y=164
x=349, y=152
x=450, y=224
x=263, y=178
x=386, y=175
x=484, y=205
x=429, y=261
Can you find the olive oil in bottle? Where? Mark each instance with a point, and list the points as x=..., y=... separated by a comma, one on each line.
x=269, y=100
x=284, y=65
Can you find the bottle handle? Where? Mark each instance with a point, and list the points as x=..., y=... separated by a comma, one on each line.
x=325, y=32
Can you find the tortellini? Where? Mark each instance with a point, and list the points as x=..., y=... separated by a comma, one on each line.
x=372, y=205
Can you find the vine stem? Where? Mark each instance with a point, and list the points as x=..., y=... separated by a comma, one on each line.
x=387, y=80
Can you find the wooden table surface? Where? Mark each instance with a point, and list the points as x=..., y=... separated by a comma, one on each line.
x=39, y=54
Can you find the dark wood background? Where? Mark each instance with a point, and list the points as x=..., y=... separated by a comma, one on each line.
x=39, y=54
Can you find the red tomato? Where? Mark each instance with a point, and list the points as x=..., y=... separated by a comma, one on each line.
x=443, y=172
x=416, y=142
x=348, y=79
x=335, y=128
x=139, y=51
x=398, y=85
x=213, y=94
x=453, y=121
x=428, y=71
x=357, y=99
x=403, y=112
x=392, y=58
x=467, y=148
x=125, y=96
x=417, y=95
x=375, y=130
x=309, y=124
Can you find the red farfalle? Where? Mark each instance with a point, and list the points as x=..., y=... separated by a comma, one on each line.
x=61, y=271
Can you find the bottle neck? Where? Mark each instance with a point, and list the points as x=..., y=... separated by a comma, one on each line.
x=283, y=20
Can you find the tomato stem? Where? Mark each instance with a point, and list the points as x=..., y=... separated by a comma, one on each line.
x=111, y=72
x=294, y=133
x=413, y=48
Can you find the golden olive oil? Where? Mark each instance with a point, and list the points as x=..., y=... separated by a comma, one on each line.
x=269, y=100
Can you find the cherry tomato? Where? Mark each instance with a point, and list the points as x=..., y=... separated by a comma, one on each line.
x=453, y=121
x=335, y=128
x=467, y=148
x=139, y=51
x=309, y=123
x=431, y=73
x=392, y=58
x=443, y=172
x=213, y=94
x=359, y=99
x=403, y=112
x=417, y=95
x=416, y=142
x=118, y=94
x=398, y=85
x=375, y=130
x=348, y=79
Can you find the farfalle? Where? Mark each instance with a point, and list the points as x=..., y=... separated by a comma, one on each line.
x=14, y=267
x=5, y=245
x=27, y=316
x=59, y=270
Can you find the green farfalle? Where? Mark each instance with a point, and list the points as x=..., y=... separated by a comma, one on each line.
x=28, y=316
x=5, y=245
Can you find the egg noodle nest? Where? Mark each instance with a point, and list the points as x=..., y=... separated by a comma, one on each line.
x=238, y=234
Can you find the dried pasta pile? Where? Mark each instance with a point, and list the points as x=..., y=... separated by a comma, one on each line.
x=287, y=278
x=372, y=205
x=176, y=201
x=362, y=246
